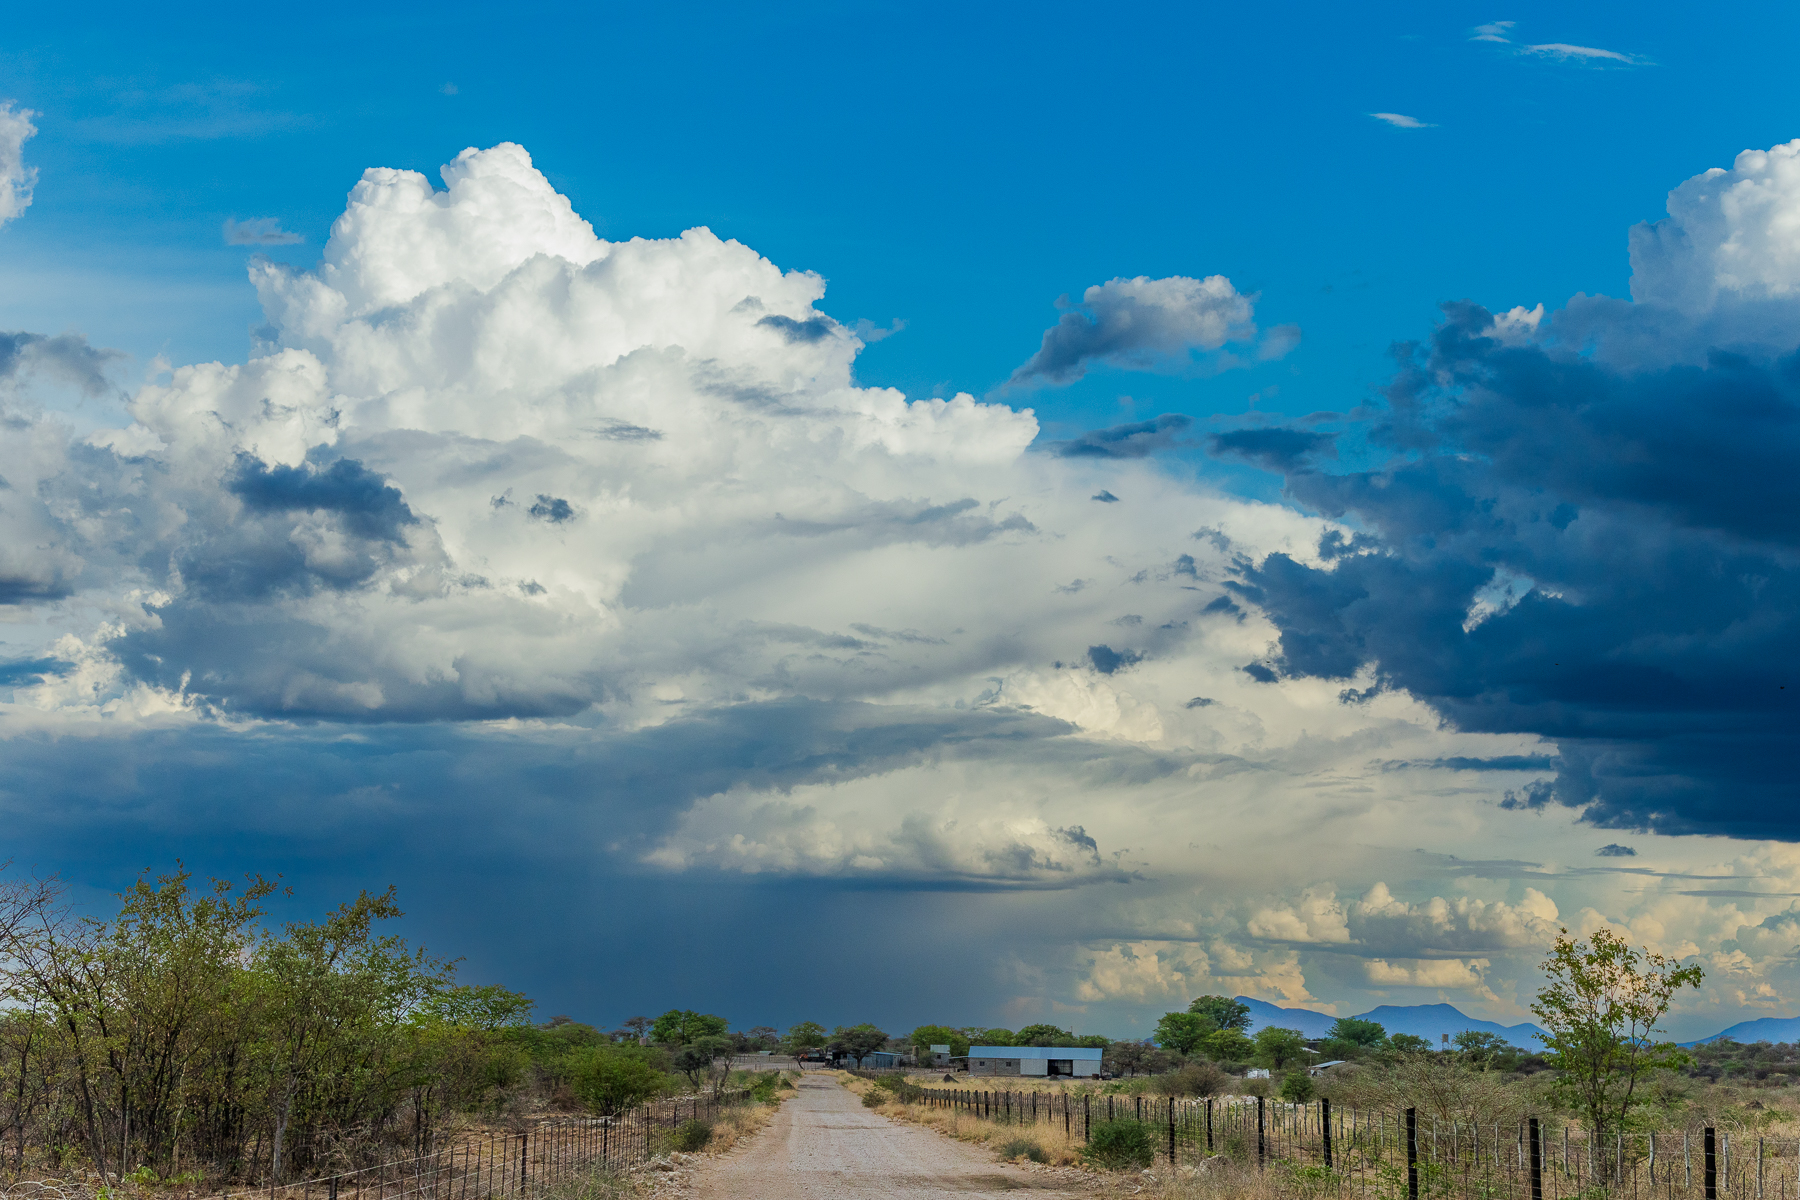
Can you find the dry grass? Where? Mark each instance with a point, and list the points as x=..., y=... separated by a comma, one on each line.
x=1059, y=1149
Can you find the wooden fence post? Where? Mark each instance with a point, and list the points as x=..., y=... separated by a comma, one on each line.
x=1537, y=1161
x=1412, y=1154
x=1710, y=1175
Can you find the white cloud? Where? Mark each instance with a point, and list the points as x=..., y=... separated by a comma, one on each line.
x=16, y=179
x=1730, y=235
x=1152, y=325
x=262, y=231
x=1588, y=54
x=1494, y=31
x=1402, y=121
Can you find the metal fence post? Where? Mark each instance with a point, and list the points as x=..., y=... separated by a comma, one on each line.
x=1710, y=1172
x=1537, y=1160
x=1325, y=1129
x=1412, y=1154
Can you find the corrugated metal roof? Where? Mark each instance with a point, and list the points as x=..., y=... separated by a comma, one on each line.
x=1083, y=1053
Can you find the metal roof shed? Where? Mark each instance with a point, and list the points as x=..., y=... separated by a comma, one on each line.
x=1034, y=1060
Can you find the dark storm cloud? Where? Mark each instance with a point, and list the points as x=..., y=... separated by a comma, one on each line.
x=1276, y=449
x=1581, y=550
x=1138, y=439
x=367, y=503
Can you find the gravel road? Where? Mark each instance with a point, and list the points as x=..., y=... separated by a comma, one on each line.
x=824, y=1144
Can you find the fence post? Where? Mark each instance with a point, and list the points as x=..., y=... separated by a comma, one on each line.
x=1209, y=1144
x=1537, y=1160
x=1261, y=1150
x=1710, y=1172
x=1325, y=1127
x=1087, y=1117
x=1171, y=1131
x=1412, y=1154
x=524, y=1144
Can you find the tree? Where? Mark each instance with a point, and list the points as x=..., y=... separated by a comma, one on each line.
x=1225, y=1012
x=760, y=1037
x=1600, y=1007
x=1409, y=1043
x=858, y=1041
x=807, y=1035
x=1134, y=1058
x=1277, y=1047
x=681, y=1026
x=486, y=1008
x=610, y=1079
x=926, y=1036
x=636, y=1028
x=1297, y=1087
x=1479, y=1048
x=697, y=1057
x=1043, y=1035
x=1184, y=1032
x=1357, y=1031
x=1228, y=1045
x=996, y=1037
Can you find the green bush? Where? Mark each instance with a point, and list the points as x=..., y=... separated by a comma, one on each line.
x=1116, y=1145
x=691, y=1135
x=1297, y=1088
x=875, y=1098
x=610, y=1079
x=1024, y=1148
x=1195, y=1079
x=888, y=1082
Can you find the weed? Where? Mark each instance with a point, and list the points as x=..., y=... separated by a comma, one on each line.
x=1116, y=1145
x=1024, y=1148
x=692, y=1135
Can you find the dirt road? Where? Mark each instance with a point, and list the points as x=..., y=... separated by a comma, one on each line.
x=824, y=1144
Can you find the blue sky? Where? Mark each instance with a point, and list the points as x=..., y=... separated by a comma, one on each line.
x=891, y=682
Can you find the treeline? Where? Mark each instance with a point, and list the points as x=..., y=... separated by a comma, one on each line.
x=184, y=1039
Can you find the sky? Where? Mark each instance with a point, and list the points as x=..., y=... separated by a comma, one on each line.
x=917, y=514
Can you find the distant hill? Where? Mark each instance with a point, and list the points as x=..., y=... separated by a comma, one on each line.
x=1763, y=1029
x=1429, y=1021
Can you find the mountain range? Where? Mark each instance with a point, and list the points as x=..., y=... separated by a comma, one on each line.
x=1436, y=1022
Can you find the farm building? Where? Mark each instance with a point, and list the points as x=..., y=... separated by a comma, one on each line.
x=1034, y=1060
x=880, y=1060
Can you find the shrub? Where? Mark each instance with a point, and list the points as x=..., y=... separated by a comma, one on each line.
x=888, y=1082
x=691, y=1135
x=1116, y=1145
x=874, y=1098
x=609, y=1080
x=1024, y=1148
x=1195, y=1079
x=1297, y=1088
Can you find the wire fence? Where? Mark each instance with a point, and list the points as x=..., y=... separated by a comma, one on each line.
x=494, y=1166
x=1394, y=1154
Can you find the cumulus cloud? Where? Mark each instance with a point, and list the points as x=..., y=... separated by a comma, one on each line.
x=16, y=179
x=1590, y=546
x=607, y=530
x=262, y=231
x=1146, y=324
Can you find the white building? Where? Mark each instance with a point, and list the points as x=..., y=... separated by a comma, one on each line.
x=1034, y=1060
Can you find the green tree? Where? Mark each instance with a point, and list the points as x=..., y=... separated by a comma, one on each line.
x=996, y=1037
x=858, y=1041
x=1228, y=1045
x=1043, y=1035
x=696, y=1058
x=489, y=1007
x=1277, y=1047
x=1184, y=1032
x=680, y=1026
x=1409, y=1043
x=1297, y=1087
x=807, y=1035
x=1357, y=1031
x=1225, y=1012
x=1602, y=1004
x=610, y=1079
x=926, y=1036
x=1479, y=1048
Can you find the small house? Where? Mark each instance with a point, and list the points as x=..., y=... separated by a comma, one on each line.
x=1070, y=1061
x=940, y=1056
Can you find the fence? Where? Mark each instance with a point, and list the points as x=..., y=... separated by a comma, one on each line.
x=1390, y=1155
x=501, y=1166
